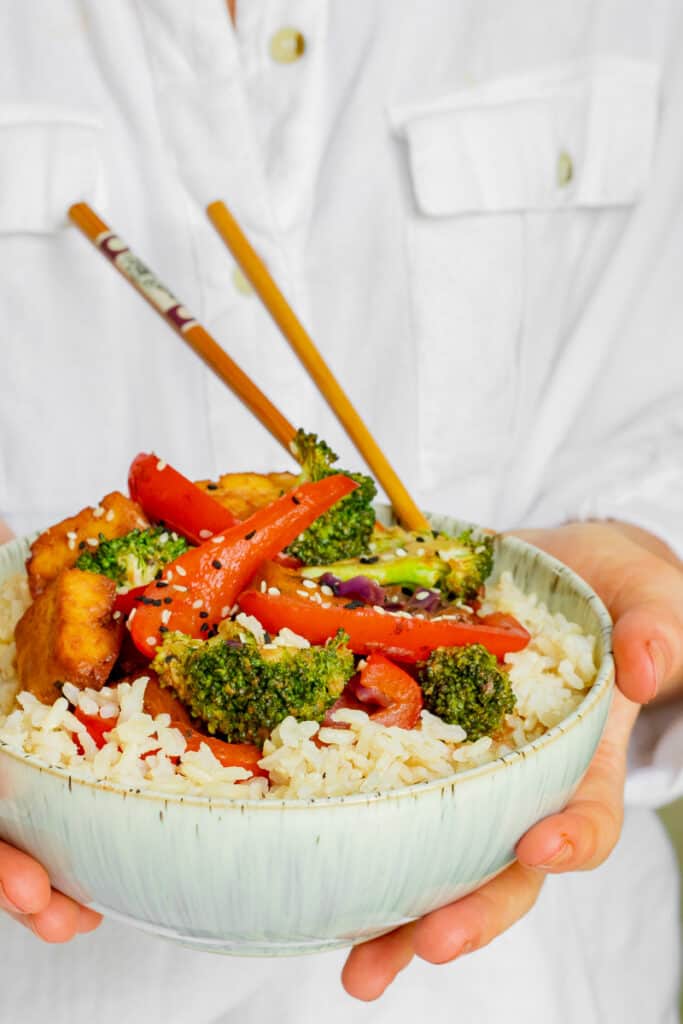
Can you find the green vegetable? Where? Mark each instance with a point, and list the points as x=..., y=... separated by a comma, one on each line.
x=345, y=530
x=458, y=566
x=466, y=686
x=243, y=689
x=134, y=559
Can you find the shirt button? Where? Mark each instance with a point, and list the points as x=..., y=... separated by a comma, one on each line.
x=565, y=169
x=242, y=285
x=287, y=45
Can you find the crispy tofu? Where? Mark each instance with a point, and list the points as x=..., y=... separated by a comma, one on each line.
x=68, y=634
x=244, y=493
x=59, y=547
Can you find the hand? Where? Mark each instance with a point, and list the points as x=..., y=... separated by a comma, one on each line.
x=25, y=892
x=641, y=583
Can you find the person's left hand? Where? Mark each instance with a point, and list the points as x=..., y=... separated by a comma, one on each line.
x=641, y=583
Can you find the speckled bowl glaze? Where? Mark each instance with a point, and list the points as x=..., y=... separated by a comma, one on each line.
x=279, y=878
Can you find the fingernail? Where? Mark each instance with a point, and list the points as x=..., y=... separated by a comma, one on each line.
x=659, y=665
x=562, y=855
x=6, y=902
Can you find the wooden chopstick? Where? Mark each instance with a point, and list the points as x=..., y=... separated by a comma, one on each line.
x=256, y=272
x=174, y=313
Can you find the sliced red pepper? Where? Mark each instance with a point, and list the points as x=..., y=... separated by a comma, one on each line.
x=405, y=639
x=198, y=589
x=125, y=603
x=382, y=682
x=230, y=755
x=96, y=727
x=169, y=497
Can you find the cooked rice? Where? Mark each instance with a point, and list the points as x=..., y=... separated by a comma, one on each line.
x=550, y=678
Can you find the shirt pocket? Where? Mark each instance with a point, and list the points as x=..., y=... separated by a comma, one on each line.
x=49, y=159
x=568, y=142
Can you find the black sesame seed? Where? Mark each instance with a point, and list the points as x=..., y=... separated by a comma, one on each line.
x=408, y=591
x=248, y=536
x=168, y=600
x=81, y=545
x=420, y=540
x=355, y=604
x=368, y=559
x=163, y=629
x=157, y=574
x=216, y=564
x=267, y=637
x=297, y=501
x=203, y=615
x=204, y=627
x=212, y=487
x=162, y=583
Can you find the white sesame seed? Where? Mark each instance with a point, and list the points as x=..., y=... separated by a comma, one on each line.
x=92, y=541
x=165, y=616
x=72, y=545
x=225, y=612
x=181, y=572
x=169, y=575
x=311, y=584
x=151, y=640
x=327, y=591
x=163, y=538
x=161, y=465
x=72, y=535
x=401, y=552
x=303, y=593
x=264, y=586
x=110, y=516
x=218, y=540
x=98, y=512
x=378, y=608
x=273, y=591
x=420, y=552
x=205, y=534
x=178, y=587
x=421, y=595
x=116, y=616
x=198, y=603
x=131, y=616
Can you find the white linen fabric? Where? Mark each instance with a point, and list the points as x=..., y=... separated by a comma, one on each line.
x=477, y=210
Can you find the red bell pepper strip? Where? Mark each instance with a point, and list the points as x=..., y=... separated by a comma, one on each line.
x=95, y=726
x=384, y=683
x=125, y=603
x=169, y=497
x=198, y=589
x=404, y=639
x=230, y=755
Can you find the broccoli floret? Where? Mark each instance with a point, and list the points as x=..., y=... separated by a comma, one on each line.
x=458, y=566
x=466, y=686
x=134, y=559
x=242, y=689
x=345, y=530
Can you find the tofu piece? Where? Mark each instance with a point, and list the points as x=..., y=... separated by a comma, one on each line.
x=68, y=634
x=59, y=547
x=244, y=493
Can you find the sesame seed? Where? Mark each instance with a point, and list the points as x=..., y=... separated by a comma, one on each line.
x=297, y=501
x=401, y=552
x=72, y=535
x=110, y=516
x=168, y=600
x=378, y=608
x=151, y=640
x=212, y=487
x=248, y=536
x=169, y=574
x=273, y=591
x=205, y=534
x=161, y=584
x=311, y=584
x=116, y=616
x=225, y=612
x=218, y=540
x=327, y=591
x=302, y=593
x=204, y=627
x=161, y=465
x=421, y=595
x=181, y=572
x=98, y=512
x=263, y=587
x=163, y=538
x=165, y=616
x=163, y=629
x=203, y=615
x=131, y=616
x=198, y=603
x=92, y=541
x=216, y=564
x=420, y=552
x=179, y=588
x=71, y=545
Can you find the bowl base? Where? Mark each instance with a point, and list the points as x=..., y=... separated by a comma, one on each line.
x=242, y=947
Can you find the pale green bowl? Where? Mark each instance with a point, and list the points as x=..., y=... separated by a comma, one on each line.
x=276, y=878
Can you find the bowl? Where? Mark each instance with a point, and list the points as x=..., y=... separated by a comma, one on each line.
x=271, y=878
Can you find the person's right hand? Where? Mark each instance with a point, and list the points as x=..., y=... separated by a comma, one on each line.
x=26, y=895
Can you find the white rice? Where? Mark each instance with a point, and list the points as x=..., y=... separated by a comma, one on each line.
x=550, y=678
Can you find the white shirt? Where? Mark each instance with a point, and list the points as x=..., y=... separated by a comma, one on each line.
x=477, y=211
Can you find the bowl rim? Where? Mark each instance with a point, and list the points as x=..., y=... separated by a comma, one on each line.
x=601, y=689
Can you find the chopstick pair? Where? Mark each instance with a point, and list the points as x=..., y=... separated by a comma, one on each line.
x=181, y=320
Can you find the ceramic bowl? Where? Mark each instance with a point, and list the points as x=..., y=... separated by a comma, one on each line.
x=276, y=878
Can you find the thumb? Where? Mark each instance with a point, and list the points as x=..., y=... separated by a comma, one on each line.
x=648, y=645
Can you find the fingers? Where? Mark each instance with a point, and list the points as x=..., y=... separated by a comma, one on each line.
x=372, y=966
x=25, y=894
x=583, y=835
x=476, y=919
x=648, y=645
